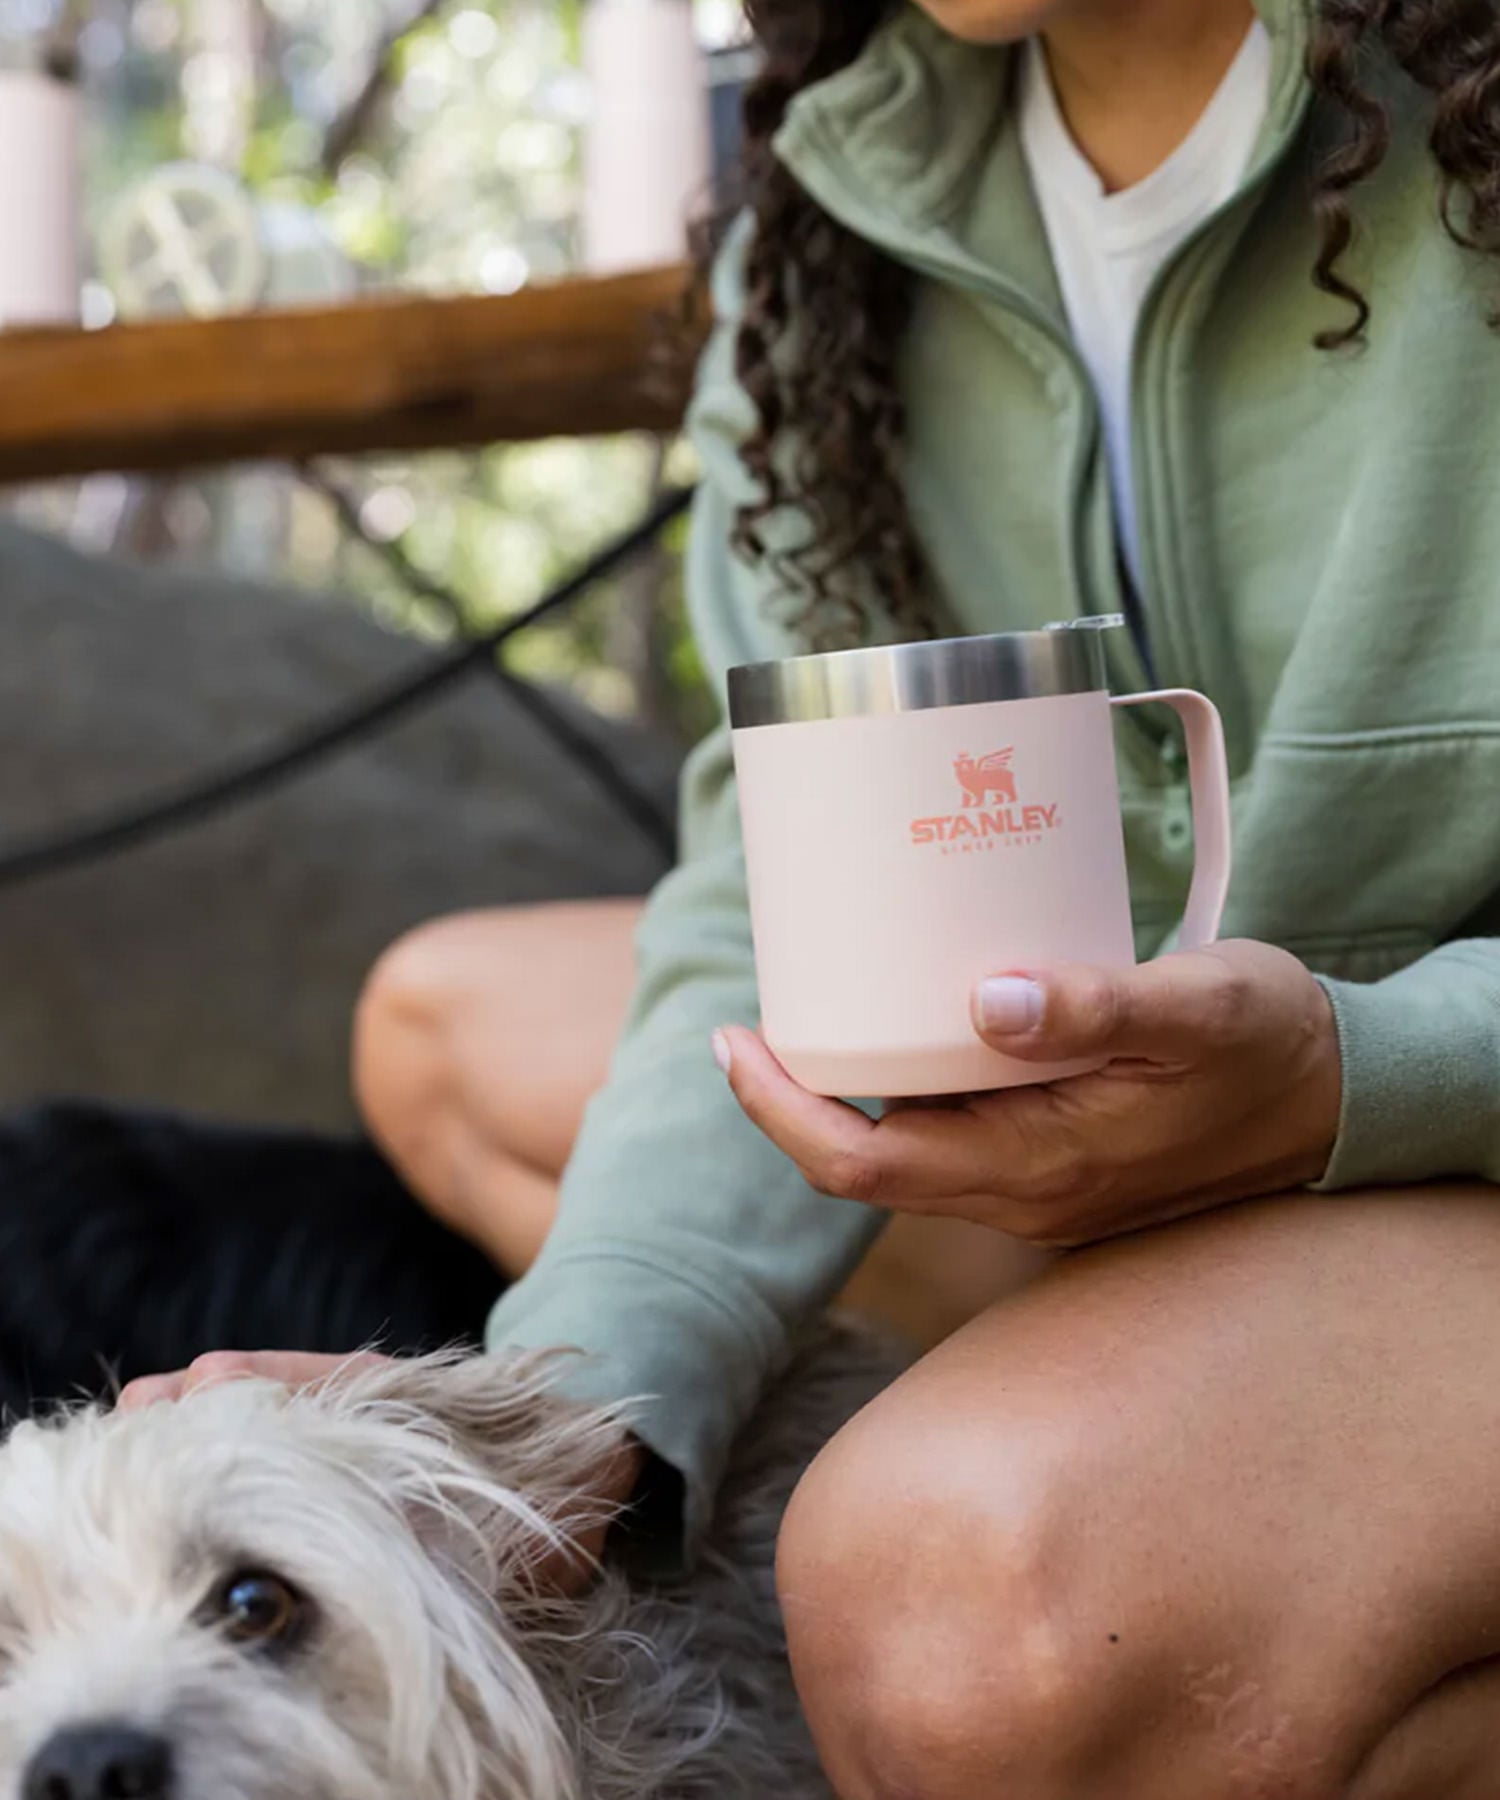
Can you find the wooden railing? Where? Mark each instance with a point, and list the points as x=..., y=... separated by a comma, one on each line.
x=575, y=359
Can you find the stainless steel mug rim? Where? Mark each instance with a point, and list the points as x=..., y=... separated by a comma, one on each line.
x=897, y=678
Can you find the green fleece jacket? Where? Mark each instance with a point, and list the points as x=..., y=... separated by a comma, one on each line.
x=1320, y=540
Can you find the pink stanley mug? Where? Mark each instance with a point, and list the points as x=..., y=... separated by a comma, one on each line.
x=919, y=816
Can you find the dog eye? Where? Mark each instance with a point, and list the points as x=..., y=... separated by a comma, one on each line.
x=259, y=1609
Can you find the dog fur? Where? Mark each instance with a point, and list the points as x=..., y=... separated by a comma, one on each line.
x=408, y=1506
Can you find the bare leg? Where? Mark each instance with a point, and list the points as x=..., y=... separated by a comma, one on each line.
x=1446, y=1748
x=480, y=1040
x=1206, y=1513
x=478, y=1043
x=928, y=1277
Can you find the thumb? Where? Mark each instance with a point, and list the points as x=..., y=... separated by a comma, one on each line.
x=1073, y=1011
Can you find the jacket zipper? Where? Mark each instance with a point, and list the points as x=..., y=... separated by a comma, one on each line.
x=1129, y=666
x=1153, y=487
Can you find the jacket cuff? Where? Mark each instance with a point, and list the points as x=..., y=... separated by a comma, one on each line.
x=1421, y=1071
x=690, y=1370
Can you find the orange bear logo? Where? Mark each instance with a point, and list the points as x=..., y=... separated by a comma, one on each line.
x=986, y=778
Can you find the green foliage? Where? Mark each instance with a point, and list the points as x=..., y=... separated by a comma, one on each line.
x=465, y=177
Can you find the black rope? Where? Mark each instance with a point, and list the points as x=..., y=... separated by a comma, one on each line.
x=188, y=803
x=654, y=823
x=651, y=820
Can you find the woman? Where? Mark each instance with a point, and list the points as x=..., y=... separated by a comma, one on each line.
x=1038, y=306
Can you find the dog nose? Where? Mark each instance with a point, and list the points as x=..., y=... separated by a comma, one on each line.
x=100, y=1762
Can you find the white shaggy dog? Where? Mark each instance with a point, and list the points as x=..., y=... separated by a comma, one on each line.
x=254, y=1595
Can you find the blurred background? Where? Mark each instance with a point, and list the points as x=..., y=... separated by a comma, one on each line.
x=271, y=155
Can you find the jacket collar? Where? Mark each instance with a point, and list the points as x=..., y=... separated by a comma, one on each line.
x=912, y=145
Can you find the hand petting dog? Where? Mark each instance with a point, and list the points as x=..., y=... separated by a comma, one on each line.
x=257, y=1593
x=1222, y=1082
x=565, y=1570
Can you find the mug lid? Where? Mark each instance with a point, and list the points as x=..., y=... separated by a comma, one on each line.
x=1066, y=658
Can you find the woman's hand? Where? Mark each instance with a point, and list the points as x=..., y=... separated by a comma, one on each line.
x=567, y=1570
x=1223, y=1082
x=290, y=1368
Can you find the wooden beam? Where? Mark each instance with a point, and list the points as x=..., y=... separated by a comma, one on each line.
x=574, y=359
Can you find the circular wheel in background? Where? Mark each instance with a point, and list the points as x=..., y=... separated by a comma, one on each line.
x=185, y=239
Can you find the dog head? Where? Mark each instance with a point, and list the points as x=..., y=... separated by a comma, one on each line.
x=259, y=1595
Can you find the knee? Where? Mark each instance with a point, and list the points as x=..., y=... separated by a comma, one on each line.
x=932, y=1632
x=408, y=1045
x=400, y=1024
x=950, y=1643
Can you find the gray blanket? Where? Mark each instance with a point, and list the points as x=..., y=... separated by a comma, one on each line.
x=217, y=970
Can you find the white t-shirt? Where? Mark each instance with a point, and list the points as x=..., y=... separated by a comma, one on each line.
x=1109, y=247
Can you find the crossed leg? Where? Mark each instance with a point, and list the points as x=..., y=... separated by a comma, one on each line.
x=479, y=1042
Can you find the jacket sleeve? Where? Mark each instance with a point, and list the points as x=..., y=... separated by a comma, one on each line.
x=687, y=1249
x=1421, y=1055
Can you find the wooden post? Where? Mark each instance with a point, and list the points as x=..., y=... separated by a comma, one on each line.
x=576, y=359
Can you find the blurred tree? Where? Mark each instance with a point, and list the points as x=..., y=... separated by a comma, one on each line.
x=436, y=142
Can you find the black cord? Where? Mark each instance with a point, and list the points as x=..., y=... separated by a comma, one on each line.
x=187, y=803
x=654, y=822
x=573, y=740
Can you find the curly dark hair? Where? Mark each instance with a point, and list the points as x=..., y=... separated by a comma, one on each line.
x=830, y=437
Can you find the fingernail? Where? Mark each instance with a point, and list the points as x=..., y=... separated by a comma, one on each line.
x=723, y=1054
x=1009, y=1004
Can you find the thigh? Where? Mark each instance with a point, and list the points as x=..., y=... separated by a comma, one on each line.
x=1238, y=1476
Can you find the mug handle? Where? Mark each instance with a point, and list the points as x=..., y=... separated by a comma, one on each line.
x=1208, y=776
